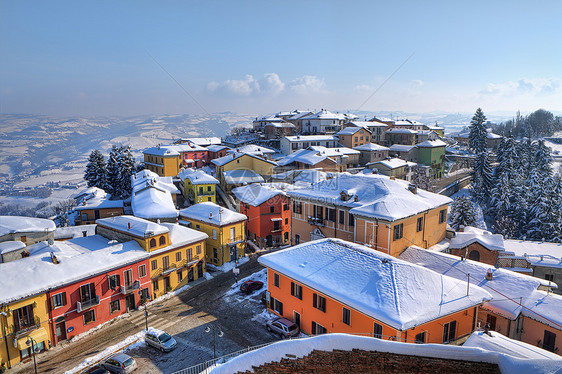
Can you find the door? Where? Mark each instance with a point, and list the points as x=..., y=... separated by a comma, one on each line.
x=96, y=214
x=199, y=270
x=60, y=329
x=128, y=275
x=190, y=275
x=233, y=254
x=549, y=341
x=297, y=318
x=268, y=241
x=130, y=302
x=166, y=284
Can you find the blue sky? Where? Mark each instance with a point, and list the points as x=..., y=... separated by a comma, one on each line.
x=256, y=57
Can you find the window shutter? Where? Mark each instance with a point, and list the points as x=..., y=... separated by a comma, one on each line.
x=314, y=300
x=52, y=302
x=92, y=290
x=64, y=298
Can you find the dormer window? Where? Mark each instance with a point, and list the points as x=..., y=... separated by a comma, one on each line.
x=152, y=243
x=162, y=240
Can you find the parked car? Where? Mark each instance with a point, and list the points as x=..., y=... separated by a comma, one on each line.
x=120, y=363
x=160, y=340
x=250, y=285
x=282, y=327
x=97, y=370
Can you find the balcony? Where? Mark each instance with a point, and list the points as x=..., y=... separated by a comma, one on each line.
x=235, y=240
x=27, y=327
x=169, y=269
x=82, y=306
x=125, y=290
x=316, y=221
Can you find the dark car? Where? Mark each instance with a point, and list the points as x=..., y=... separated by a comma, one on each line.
x=250, y=286
x=97, y=370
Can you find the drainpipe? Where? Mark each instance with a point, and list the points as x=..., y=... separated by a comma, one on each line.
x=376, y=234
x=6, y=339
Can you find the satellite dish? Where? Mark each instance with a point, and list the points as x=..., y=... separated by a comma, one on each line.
x=221, y=334
x=207, y=329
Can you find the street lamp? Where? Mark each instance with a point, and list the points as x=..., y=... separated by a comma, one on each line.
x=221, y=334
x=32, y=342
x=145, y=311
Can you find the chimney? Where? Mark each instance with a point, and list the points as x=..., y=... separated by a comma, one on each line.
x=392, y=177
x=413, y=188
x=54, y=258
x=210, y=215
x=461, y=228
x=128, y=225
x=489, y=275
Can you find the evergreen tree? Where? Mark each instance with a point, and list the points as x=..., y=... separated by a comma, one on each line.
x=463, y=213
x=113, y=171
x=96, y=173
x=128, y=168
x=120, y=168
x=482, y=177
x=478, y=132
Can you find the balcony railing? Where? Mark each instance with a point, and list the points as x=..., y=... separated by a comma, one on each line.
x=169, y=269
x=23, y=329
x=130, y=288
x=83, y=305
x=236, y=239
x=316, y=221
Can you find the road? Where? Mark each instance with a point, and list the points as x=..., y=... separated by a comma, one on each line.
x=185, y=317
x=444, y=182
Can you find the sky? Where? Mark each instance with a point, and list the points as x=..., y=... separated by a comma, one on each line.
x=86, y=58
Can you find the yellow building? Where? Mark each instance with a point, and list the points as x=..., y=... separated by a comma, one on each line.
x=254, y=169
x=164, y=161
x=225, y=228
x=177, y=253
x=21, y=321
x=394, y=167
x=372, y=210
x=198, y=186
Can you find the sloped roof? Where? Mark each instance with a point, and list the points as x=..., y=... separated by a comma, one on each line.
x=306, y=156
x=371, y=147
x=493, y=242
x=256, y=194
x=431, y=144
x=350, y=130
x=212, y=213
x=242, y=176
x=197, y=176
x=399, y=294
x=139, y=227
x=311, y=138
x=19, y=224
x=233, y=156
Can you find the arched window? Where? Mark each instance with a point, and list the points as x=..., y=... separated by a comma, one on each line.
x=152, y=243
x=162, y=240
x=474, y=255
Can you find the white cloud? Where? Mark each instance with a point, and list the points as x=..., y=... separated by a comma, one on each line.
x=307, y=84
x=363, y=89
x=523, y=86
x=416, y=83
x=270, y=84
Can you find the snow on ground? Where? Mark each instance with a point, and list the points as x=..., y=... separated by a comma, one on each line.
x=96, y=328
x=235, y=289
x=228, y=266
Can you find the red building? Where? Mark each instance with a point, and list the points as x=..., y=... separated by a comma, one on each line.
x=192, y=155
x=92, y=300
x=217, y=151
x=269, y=214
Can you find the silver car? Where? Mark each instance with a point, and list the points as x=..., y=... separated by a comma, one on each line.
x=120, y=363
x=282, y=327
x=162, y=341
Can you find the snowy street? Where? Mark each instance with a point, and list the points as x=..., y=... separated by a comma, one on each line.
x=216, y=301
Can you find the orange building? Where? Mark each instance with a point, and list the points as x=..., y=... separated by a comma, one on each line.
x=331, y=285
x=269, y=214
x=352, y=137
x=374, y=210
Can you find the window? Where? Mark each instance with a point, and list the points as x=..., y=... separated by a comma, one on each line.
x=318, y=329
x=180, y=275
x=420, y=338
x=377, y=331
x=319, y=302
x=549, y=277
x=154, y=264
x=549, y=341
x=276, y=225
x=286, y=221
x=297, y=207
x=271, y=209
x=178, y=256
x=419, y=226
x=87, y=292
x=285, y=207
x=318, y=211
x=442, y=215
x=198, y=249
x=142, y=271
x=23, y=317
x=491, y=322
x=189, y=254
x=165, y=263
x=398, y=231
x=286, y=236
x=297, y=239
x=214, y=234
x=449, y=330
x=331, y=214
x=209, y=188
x=351, y=219
x=155, y=285
x=232, y=233
x=89, y=316
x=296, y=290
x=58, y=300
x=152, y=243
x=84, y=217
x=114, y=306
x=276, y=280
x=162, y=240
x=197, y=227
x=200, y=190
x=346, y=317
x=114, y=281
x=277, y=306
x=342, y=217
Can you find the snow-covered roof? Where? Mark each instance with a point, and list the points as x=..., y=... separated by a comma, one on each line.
x=366, y=124
x=325, y=114
x=311, y=138
x=75, y=231
x=332, y=152
x=280, y=124
x=401, y=131
x=152, y=196
x=180, y=236
x=377, y=196
x=489, y=135
x=241, y=176
x=513, y=293
x=96, y=199
x=19, y=224
x=493, y=242
x=371, y=147
x=305, y=156
x=79, y=258
x=537, y=253
x=252, y=149
x=270, y=118
x=138, y=226
x=343, y=342
x=197, y=176
x=299, y=115
x=256, y=194
x=10, y=246
x=216, y=148
x=212, y=213
x=233, y=156
x=435, y=127
x=88, y=193
x=431, y=144
x=350, y=130
x=165, y=151
x=374, y=283
x=496, y=342
x=401, y=148
x=140, y=180
x=204, y=141
x=393, y=163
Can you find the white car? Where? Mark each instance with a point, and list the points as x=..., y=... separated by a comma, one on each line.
x=160, y=340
